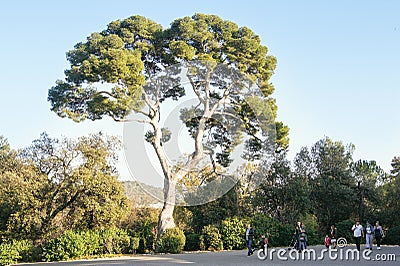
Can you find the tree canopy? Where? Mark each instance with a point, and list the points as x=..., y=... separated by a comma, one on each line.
x=55, y=185
x=121, y=70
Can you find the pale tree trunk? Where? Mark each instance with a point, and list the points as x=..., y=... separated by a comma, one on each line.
x=166, y=219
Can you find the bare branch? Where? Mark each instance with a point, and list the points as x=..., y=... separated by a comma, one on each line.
x=195, y=89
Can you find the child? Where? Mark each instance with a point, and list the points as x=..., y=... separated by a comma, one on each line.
x=327, y=241
x=263, y=242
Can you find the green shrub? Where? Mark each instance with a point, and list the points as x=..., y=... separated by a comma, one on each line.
x=18, y=251
x=28, y=252
x=69, y=245
x=233, y=231
x=134, y=244
x=171, y=241
x=8, y=254
x=285, y=235
x=344, y=230
x=146, y=233
x=76, y=244
x=268, y=226
x=114, y=241
x=192, y=242
x=392, y=236
x=212, y=238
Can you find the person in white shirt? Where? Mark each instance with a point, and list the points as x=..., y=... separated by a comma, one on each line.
x=358, y=234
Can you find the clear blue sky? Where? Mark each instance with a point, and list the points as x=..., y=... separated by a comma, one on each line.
x=338, y=72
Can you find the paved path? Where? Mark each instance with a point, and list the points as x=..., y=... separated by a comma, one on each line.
x=240, y=258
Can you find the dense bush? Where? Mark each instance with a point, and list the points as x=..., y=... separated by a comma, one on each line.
x=75, y=244
x=134, y=244
x=233, y=231
x=171, y=241
x=192, y=242
x=344, y=230
x=69, y=245
x=268, y=226
x=114, y=241
x=285, y=236
x=211, y=238
x=18, y=251
x=392, y=236
x=27, y=250
x=8, y=254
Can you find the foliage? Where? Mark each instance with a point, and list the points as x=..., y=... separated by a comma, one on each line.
x=392, y=236
x=172, y=241
x=134, y=50
x=60, y=184
x=233, y=230
x=211, y=238
x=75, y=244
x=344, y=230
x=192, y=242
x=268, y=226
x=143, y=221
x=134, y=244
x=311, y=225
x=214, y=212
x=368, y=176
x=68, y=246
x=18, y=251
x=390, y=201
x=327, y=167
x=114, y=241
x=283, y=194
x=8, y=254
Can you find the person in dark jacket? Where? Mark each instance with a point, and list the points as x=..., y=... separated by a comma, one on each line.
x=249, y=239
x=333, y=236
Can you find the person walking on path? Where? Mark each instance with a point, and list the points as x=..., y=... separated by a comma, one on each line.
x=369, y=229
x=378, y=232
x=358, y=234
x=333, y=234
x=302, y=238
x=249, y=239
x=297, y=235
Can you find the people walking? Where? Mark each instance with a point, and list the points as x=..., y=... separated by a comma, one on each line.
x=249, y=239
x=358, y=234
x=369, y=229
x=378, y=232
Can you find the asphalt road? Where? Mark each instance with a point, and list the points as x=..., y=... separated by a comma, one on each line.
x=387, y=255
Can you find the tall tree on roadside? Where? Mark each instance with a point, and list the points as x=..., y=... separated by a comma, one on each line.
x=390, y=196
x=135, y=50
x=283, y=194
x=369, y=176
x=327, y=166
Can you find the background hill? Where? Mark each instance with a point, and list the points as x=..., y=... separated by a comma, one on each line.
x=142, y=194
